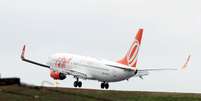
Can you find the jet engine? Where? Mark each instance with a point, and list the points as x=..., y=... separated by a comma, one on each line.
x=57, y=76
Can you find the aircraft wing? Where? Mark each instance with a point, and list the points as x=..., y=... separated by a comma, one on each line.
x=153, y=69
x=31, y=61
x=144, y=72
x=158, y=69
x=161, y=69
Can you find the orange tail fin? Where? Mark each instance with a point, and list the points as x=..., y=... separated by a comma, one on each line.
x=130, y=58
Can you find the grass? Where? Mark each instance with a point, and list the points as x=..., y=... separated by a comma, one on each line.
x=32, y=93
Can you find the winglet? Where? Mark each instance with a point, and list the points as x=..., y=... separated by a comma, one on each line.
x=23, y=52
x=186, y=63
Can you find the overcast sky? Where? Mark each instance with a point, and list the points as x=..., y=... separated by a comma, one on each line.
x=104, y=29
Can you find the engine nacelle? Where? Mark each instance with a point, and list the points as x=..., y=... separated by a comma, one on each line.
x=57, y=76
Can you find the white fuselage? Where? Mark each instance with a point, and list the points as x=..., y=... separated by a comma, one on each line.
x=105, y=71
x=89, y=68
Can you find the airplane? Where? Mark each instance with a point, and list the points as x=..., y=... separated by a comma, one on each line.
x=87, y=68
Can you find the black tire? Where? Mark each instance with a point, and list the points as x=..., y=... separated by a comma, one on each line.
x=79, y=84
x=75, y=84
x=102, y=85
x=62, y=76
x=106, y=85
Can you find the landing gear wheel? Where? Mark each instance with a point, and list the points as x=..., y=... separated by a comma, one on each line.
x=104, y=85
x=79, y=84
x=75, y=84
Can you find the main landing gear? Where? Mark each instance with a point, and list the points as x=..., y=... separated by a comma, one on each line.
x=77, y=83
x=104, y=85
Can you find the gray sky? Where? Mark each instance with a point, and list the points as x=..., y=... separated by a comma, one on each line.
x=104, y=29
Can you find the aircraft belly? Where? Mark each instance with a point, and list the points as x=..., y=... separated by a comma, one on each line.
x=103, y=73
x=95, y=73
x=120, y=75
x=113, y=75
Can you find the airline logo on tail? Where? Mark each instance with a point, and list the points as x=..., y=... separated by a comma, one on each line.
x=130, y=58
x=132, y=54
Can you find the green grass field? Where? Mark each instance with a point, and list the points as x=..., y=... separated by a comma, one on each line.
x=31, y=93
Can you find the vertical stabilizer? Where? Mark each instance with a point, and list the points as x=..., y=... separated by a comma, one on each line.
x=130, y=58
